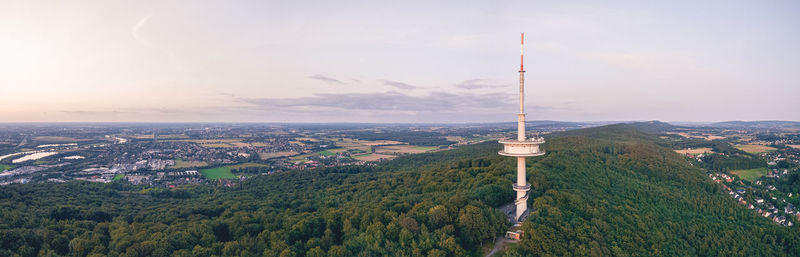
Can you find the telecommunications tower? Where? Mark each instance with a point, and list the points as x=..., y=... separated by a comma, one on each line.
x=522, y=147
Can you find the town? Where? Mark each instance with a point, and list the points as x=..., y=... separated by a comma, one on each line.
x=170, y=155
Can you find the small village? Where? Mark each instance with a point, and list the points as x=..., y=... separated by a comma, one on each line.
x=765, y=188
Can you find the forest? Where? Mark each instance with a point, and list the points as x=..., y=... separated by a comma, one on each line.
x=605, y=191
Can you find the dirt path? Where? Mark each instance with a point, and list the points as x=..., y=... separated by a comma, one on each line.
x=500, y=243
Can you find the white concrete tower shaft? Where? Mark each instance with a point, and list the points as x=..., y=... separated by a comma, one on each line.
x=521, y=201
x=523, y=147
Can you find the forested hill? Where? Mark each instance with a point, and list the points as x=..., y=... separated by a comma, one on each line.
x=615, y=190
x=608, y=190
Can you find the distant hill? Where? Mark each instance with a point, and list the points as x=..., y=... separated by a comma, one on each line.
x=766, y=124
x=548, y=124
x=602, y=191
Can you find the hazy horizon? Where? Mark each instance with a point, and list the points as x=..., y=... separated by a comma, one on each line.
x=405, y=62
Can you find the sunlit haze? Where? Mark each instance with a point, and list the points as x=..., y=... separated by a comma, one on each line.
x=372, y=61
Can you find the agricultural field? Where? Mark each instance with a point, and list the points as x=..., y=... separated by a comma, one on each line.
x=753, y=148
x=705, y=136
x=171, y=136
x=751, y=174
x=219, y=143
x=695, y=151
x=160, y=136
x=403, y=149
x=349, y=143
x=380, y=142
x=118, y=177
x=329, y=152
x=247, y=165
x=364, y=150
x=55, y=139
x=179, y=164
x=373, y=157
x=264, y=155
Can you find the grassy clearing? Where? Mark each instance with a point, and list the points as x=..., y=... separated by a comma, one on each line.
x=224, y=172
x=179, y=164
x=424, y=148
x=356, y=151
x=5, y=167
x=118, y=177
x=373, y=157
x=695, y=151
x=218, y=173
x=755, y=148
x=330, y=152
x=402, y=149
x=751, y=174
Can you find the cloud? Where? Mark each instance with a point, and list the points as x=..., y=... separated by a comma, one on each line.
x=477, y=83
x=136, y=33
x=397, y=84
x=390, y=107
x=137, y=27
x=394, y=101
x=96, y=113
x=325, y=79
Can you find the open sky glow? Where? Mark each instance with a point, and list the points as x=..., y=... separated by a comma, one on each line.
x=397, y=61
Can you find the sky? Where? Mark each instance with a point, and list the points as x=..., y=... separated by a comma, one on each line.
x=397, y=61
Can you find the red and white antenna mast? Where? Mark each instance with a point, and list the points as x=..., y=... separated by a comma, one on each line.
x=521, y=115
x=521, y=51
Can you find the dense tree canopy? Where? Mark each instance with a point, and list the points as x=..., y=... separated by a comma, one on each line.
x=430, y=204
x=604, y=191
x=617, y=191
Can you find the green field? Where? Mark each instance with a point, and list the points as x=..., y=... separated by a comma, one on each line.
x=326, y=153
x=424, y=148
x=329, y=152
x=247, y=165
x=118, y=177
x=5, y=167
x=751, y=174
x=224, y=172
x=180, y=163
x=218, y=173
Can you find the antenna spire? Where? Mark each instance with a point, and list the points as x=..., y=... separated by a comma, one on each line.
x=521, y=51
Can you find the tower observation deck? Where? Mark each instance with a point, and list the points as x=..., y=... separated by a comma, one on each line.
x=522, y=147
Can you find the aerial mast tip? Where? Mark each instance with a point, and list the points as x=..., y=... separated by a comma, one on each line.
x=521, y=51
